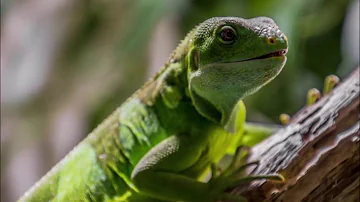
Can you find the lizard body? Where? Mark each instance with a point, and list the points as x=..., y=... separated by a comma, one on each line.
x=159, y=144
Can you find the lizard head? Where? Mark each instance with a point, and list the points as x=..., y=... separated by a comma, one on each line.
x=231, y=58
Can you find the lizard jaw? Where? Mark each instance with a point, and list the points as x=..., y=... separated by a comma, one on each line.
x=276, y=54
x=279, y=53
x=269, y=55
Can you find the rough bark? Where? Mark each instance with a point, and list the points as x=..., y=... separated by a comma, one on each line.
x=318, y=152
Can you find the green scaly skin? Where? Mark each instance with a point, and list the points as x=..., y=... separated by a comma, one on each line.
x=159, y=144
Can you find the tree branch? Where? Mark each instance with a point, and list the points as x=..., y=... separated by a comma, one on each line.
x=317, y=153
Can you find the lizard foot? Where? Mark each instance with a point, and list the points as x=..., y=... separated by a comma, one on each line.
x=233, y=176
x=314, y=95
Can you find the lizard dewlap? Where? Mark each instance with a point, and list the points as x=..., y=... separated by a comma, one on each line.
x=160, y=143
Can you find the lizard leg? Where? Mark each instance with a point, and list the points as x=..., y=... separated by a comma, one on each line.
x=161, y=173
x=249, y=133
x=254, y=133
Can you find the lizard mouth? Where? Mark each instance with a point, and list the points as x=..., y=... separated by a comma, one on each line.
x=278, y=53
x=270, y=55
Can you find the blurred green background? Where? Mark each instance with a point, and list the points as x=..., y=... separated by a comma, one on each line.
x=65, y=65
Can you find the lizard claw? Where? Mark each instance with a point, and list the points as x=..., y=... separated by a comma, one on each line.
x=330, y=83
x=222, y=183
x=313, y=96
x=233, y=176
x=239, y=158
x=284, y=119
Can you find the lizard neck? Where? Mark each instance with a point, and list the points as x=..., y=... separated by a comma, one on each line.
x=169, y=86
x=177, y=118
x=172, y=74
x=173, y=77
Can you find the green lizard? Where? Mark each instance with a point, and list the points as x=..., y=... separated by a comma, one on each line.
x=163, y=140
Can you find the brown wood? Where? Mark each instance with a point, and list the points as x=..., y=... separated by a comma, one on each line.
x=318, y=152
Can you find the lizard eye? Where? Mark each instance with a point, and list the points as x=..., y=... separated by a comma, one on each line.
x=227, y=35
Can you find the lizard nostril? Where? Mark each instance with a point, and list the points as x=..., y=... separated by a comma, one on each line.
x=270, y=40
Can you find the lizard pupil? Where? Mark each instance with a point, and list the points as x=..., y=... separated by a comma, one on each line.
x=227, y=34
